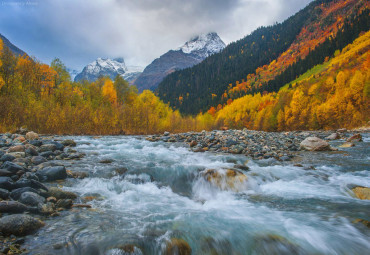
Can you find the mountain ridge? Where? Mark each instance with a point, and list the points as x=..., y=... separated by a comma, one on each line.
x=189, y=54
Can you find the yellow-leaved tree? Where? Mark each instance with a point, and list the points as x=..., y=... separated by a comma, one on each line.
x=109, y=91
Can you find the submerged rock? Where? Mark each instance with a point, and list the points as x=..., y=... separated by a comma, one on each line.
x=177, y=247
x=274, y=244
x=226, y=179
x=19, y=225
x=314, y=144
x=347, y=145
x=362, y=193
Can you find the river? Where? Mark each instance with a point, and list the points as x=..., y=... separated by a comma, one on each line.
x=279, y=209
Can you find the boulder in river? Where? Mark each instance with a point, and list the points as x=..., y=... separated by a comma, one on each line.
x=52, y=173
x=177, y=247
x=226, y=179
x=347, y=145
x=16, y=194
x=333, y=136
x=362, y=193
x=69, y=143
x=64, y=203
x=355, y=138
x=48, y=147
x=12, y=167
x=314, y=144
x=19, y=225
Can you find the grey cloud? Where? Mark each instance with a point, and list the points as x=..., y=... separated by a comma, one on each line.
x=79, y=31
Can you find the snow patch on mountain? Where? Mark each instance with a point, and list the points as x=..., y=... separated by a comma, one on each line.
x=203, y=45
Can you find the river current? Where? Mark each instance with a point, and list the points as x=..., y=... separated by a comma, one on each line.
x=153, y=192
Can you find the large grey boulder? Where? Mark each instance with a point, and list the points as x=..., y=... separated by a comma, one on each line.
x=52, y=173
x=19, y=225
x=314, y=144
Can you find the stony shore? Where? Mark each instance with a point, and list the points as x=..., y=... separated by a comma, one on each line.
x=261, y=145
x=29, y=175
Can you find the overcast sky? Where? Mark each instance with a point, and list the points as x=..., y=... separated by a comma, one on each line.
x=79, y=31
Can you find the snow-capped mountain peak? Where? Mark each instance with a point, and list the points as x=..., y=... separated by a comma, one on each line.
x=203, y=45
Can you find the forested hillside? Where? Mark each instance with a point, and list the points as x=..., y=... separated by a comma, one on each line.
x=247, y=65
x=331, y=95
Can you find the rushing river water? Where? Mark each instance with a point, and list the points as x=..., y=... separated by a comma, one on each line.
x=280, y=209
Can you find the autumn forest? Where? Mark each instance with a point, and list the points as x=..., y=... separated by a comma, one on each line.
x=316, y=77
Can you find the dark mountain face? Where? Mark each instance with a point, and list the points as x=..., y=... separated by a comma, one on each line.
x=12, y=47
x=191, y=53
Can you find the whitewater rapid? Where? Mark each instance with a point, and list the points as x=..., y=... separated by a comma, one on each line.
x=155, y=191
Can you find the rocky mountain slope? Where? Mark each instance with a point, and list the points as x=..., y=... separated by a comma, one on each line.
x=108, y=67
x=12, y=47
x=191, y=53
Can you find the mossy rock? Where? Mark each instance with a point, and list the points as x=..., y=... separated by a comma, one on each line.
x=362, y=193
x=177, y=247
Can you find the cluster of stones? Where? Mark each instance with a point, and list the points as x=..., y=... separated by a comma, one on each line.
x=257, y=144
x=28, y=166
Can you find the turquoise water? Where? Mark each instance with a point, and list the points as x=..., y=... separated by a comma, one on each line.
x=279, y=209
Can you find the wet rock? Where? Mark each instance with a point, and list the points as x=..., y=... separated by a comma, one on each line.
x=31, y=198
x=333, y=136
x=64, y=203
x=30, y=176
x=37, y=160
x=106, y=161
x=16, y=148
x=77, y=175
x=12, y=207
x=7, y=157
x=58, y=146
x=6, y=183
x=52, y=173
x=61, y=194
x=32, y=135
x=68, y=143
x=47, y=147
x=347, y=145
x=17, y=193
x=166, y=133
x=314, y=144
x=362, y=193
x=47, y=209
x=19, y=225
x=22, y=183
x=4, y=194
x=20, y=139
x=177, y=247
x=226, y=179
x=355, y=138
x=274, y=244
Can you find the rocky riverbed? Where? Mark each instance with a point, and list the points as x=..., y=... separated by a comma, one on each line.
x=258, y=144
x=30, y=177
x=180, y=192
